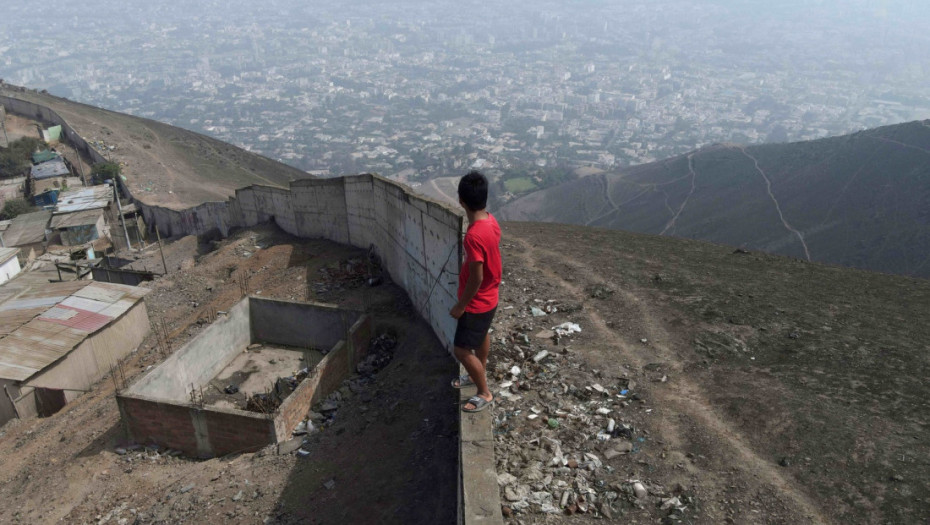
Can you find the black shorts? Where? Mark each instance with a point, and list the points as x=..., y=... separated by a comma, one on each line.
x=472, y=329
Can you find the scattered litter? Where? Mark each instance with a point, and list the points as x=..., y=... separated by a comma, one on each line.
x=537, y=312
x=231, y=389
x=515, y=370
x=566, y=329
x=553, y=422
x=330, y=485
x=540, y=356
x=639, y=490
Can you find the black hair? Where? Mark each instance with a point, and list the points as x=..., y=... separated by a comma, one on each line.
x=473, y=191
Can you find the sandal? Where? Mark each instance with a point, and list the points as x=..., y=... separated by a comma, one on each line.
x=462, y=381
x=479, y=402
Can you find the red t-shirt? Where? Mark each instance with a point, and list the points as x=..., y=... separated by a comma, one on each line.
x=482, y=244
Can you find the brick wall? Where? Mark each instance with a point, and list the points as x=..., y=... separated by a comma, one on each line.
x=147, y=421
x=231, y=433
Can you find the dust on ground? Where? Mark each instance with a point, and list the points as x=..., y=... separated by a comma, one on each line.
x=388, y=455
x=706, y=385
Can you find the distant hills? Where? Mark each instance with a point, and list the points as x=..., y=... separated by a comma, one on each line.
x=860, y=200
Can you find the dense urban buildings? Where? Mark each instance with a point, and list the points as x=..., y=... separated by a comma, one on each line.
x=418, y=90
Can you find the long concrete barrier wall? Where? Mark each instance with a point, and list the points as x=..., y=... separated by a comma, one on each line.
x=416, y=239
x=51, y=118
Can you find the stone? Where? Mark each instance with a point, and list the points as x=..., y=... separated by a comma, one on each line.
x=506, y=511
x=605, y=511
x=572, y=464
x=545, y=334
x=537, y=312
x=639, y=490
x=121, y=451
x=516, y=493
x=238, y=496
x=505, y=478
x=186, y=488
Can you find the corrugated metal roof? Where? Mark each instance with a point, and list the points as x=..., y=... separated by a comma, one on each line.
x=43, y=156
x=44, y=323
x=50, y=169
x=7, y=253
x=84, y=199
x=28, y=228
x=78, y=218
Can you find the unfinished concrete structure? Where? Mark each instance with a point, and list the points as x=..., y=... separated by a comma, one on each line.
x=57, y=339
x=167, y=406
x=416, y=238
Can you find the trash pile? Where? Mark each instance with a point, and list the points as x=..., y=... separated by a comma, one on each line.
x=268, y=402
x=380, y=353
x=558, y=427
x=348, y=274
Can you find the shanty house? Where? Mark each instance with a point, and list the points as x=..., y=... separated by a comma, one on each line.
x=48, y=175
x=28, y=231
x=79, y=227
x=57, y=339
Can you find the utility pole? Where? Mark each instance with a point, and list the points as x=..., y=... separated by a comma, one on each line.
x=160, y=250
x=3, y=125
x=121, y=218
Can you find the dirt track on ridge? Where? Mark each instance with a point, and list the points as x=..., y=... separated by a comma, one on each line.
x=759, y=418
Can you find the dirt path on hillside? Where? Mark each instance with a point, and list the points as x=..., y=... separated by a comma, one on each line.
x=683, y=408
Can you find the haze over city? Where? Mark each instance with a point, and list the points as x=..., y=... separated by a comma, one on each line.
x=418, y=90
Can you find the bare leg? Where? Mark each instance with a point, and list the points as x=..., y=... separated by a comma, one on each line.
x=476, y=372
x=482, y=352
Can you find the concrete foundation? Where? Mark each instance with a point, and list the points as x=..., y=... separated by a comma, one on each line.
x=159, y=407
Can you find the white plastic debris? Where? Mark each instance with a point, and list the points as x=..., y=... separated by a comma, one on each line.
x=540, y=356
x=537, y=312
x=611, y=425
x=639, y=490
x=598, y=387
x=603, y=411
x=566, y=328
x=515, y=370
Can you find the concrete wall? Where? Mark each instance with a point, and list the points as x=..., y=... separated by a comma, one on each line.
x=200, y=360
x=9, y=269
x=152, y=413
x=50, y=117
x=299, y=324
x=93, y=358
x=417, y=239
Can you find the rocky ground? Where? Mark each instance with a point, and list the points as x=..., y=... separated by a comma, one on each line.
x=705, y=385
x=383, y=449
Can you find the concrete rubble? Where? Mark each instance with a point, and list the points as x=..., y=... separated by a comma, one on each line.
x=561, y=445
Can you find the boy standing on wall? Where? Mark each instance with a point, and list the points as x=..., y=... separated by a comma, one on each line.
x=479, y=282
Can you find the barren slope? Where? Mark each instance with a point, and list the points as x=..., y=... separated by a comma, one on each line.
x=164, y=164
x=792, y=393
x=860, y=200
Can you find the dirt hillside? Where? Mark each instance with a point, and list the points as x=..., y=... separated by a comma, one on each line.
x=165, y=165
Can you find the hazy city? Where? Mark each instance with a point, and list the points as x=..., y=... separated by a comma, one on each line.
x=420, y=90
